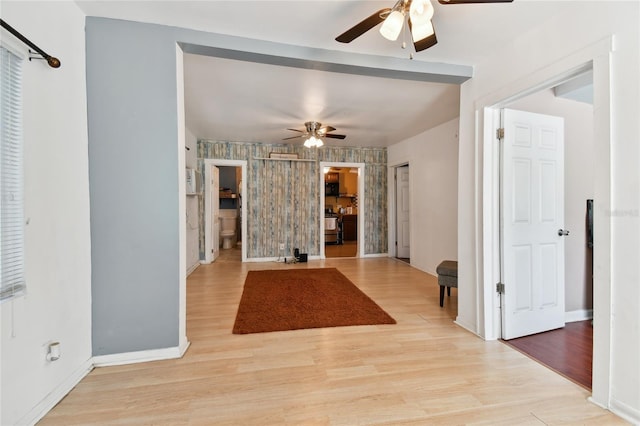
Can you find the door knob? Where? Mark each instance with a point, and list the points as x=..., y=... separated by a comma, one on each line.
x=563, y=232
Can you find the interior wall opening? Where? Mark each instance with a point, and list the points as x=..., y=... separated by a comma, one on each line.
x=341, y=194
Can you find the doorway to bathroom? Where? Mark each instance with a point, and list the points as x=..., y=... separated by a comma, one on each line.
x=224, y=197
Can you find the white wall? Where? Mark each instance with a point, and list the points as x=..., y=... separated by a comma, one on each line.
x=579, y=186
x=57, y=306
x=193, y=248
x=433, y=185
x=559, y=44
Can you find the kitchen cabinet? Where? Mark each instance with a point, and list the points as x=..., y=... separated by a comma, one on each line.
x=348, y=183
x=350, y=227
x=331, y=177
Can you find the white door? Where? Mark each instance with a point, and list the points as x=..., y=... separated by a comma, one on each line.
x=403, y=228
x=532, y=217
x=211, y=214
x=215, y=212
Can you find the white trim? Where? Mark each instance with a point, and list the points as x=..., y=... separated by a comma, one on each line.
x=182, y=202
x=278, y=259
x=623, y=410
x=193, y=267
x=470, y=328
x=140, y=356
x=579, y=315
x=376, y=255
x=55, y=396
x=208, y=162
x=11, y=43
x=392, y=202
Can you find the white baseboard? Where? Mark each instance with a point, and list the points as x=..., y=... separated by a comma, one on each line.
x=314, y=257
x=183, y=347
x=139, y=356
x=263, y=259
x=579, y=315
x=50, y=401
x=193, y=268
x=467, y=327
x=376, y=255
x=630, y=414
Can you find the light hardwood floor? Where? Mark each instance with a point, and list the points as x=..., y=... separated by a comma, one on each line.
x=424, y=370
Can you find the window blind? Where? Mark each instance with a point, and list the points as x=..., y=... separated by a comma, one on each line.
x=11, y=177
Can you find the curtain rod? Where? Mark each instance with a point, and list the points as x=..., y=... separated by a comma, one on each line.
x=53, y=62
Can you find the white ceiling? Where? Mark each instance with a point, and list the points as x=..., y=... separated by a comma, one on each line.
x=236, y=100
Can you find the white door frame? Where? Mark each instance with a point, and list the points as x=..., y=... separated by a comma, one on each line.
x=208, y=244
x=597, y=57
x=361, y=210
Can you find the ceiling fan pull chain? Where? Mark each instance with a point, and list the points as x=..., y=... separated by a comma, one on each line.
x=404, y=33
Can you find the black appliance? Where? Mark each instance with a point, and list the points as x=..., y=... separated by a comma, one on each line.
x=331, y=189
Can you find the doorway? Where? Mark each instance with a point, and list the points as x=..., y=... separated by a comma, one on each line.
x=581, y=185
x=341, y=209
x=569, y=349
x=232, y=202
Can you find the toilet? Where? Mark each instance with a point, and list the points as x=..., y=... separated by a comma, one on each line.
x=228, y=228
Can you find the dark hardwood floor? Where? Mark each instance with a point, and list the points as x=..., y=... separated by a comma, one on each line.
x=346, y=249
x=568, y=350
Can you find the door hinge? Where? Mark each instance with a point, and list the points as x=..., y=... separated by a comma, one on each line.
x=500, y=288
x=500, y=133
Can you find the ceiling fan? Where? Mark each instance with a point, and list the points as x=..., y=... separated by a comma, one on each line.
x=417, y=14
x=314, y=133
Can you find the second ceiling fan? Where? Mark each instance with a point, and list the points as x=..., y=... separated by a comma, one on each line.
x=314, y=134
x=417, y=13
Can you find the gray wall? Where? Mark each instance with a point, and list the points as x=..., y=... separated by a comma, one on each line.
x=133, y=182
x=134, y=175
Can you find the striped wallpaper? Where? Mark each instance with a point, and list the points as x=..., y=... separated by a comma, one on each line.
x=283, y=199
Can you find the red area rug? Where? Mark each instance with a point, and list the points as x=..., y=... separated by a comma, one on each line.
x=292, y=299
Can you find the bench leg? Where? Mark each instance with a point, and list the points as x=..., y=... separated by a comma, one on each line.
x=449, y=291
x=441, y=296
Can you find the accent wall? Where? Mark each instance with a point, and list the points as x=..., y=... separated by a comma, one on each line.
x=283, y=199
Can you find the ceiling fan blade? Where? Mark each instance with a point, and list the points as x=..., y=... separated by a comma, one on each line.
x=296, y=130
x=425, y=43
x=329, y=135
x=326, y=129
x=294, y=137
x=472, y=1
x=362, y=27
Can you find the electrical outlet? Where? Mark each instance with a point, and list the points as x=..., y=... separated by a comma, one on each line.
x=281, y=246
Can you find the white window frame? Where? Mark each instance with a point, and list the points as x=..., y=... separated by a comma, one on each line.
x=12, y=223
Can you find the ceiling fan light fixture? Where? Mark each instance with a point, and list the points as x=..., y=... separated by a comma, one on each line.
x=421, y=31
x=313, y=142
x=420, y=12
x=392, y=26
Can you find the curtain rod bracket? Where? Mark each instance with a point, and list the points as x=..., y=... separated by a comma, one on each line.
x=53, y=62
